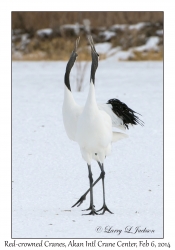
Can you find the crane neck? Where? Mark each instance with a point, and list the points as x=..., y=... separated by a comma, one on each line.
x=68, y=97
x=66, y=80
x=91, y=100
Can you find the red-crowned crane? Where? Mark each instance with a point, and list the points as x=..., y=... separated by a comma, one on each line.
x=91, y=126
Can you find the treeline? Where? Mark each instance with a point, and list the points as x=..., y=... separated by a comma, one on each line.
x=32, y=21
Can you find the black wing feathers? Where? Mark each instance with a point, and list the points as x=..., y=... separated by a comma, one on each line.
x=125, y=113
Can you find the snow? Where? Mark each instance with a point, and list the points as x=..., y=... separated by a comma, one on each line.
x=24, y=37
x=103, y=48
x=116, y=27
x=24, y=41
x=107, y=34
x=159, y=32
x=87, y=26
x=113, y=51
x=121, y=55
x=44, y=32
x=138, y=26
x=48, y=172
x=151, y=44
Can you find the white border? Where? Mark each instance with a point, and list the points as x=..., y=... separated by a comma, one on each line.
x=5, y=95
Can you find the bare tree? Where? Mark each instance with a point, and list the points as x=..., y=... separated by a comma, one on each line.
x=80, y=75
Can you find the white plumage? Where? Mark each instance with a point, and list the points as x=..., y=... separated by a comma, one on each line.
x=94, y=130
x=91, y=126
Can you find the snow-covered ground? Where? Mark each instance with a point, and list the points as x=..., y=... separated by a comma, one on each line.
x=48, y=173
x=44, y=32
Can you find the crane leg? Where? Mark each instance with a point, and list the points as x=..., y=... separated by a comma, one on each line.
x=83, y=197
x=91, y=207
x=104, y=207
